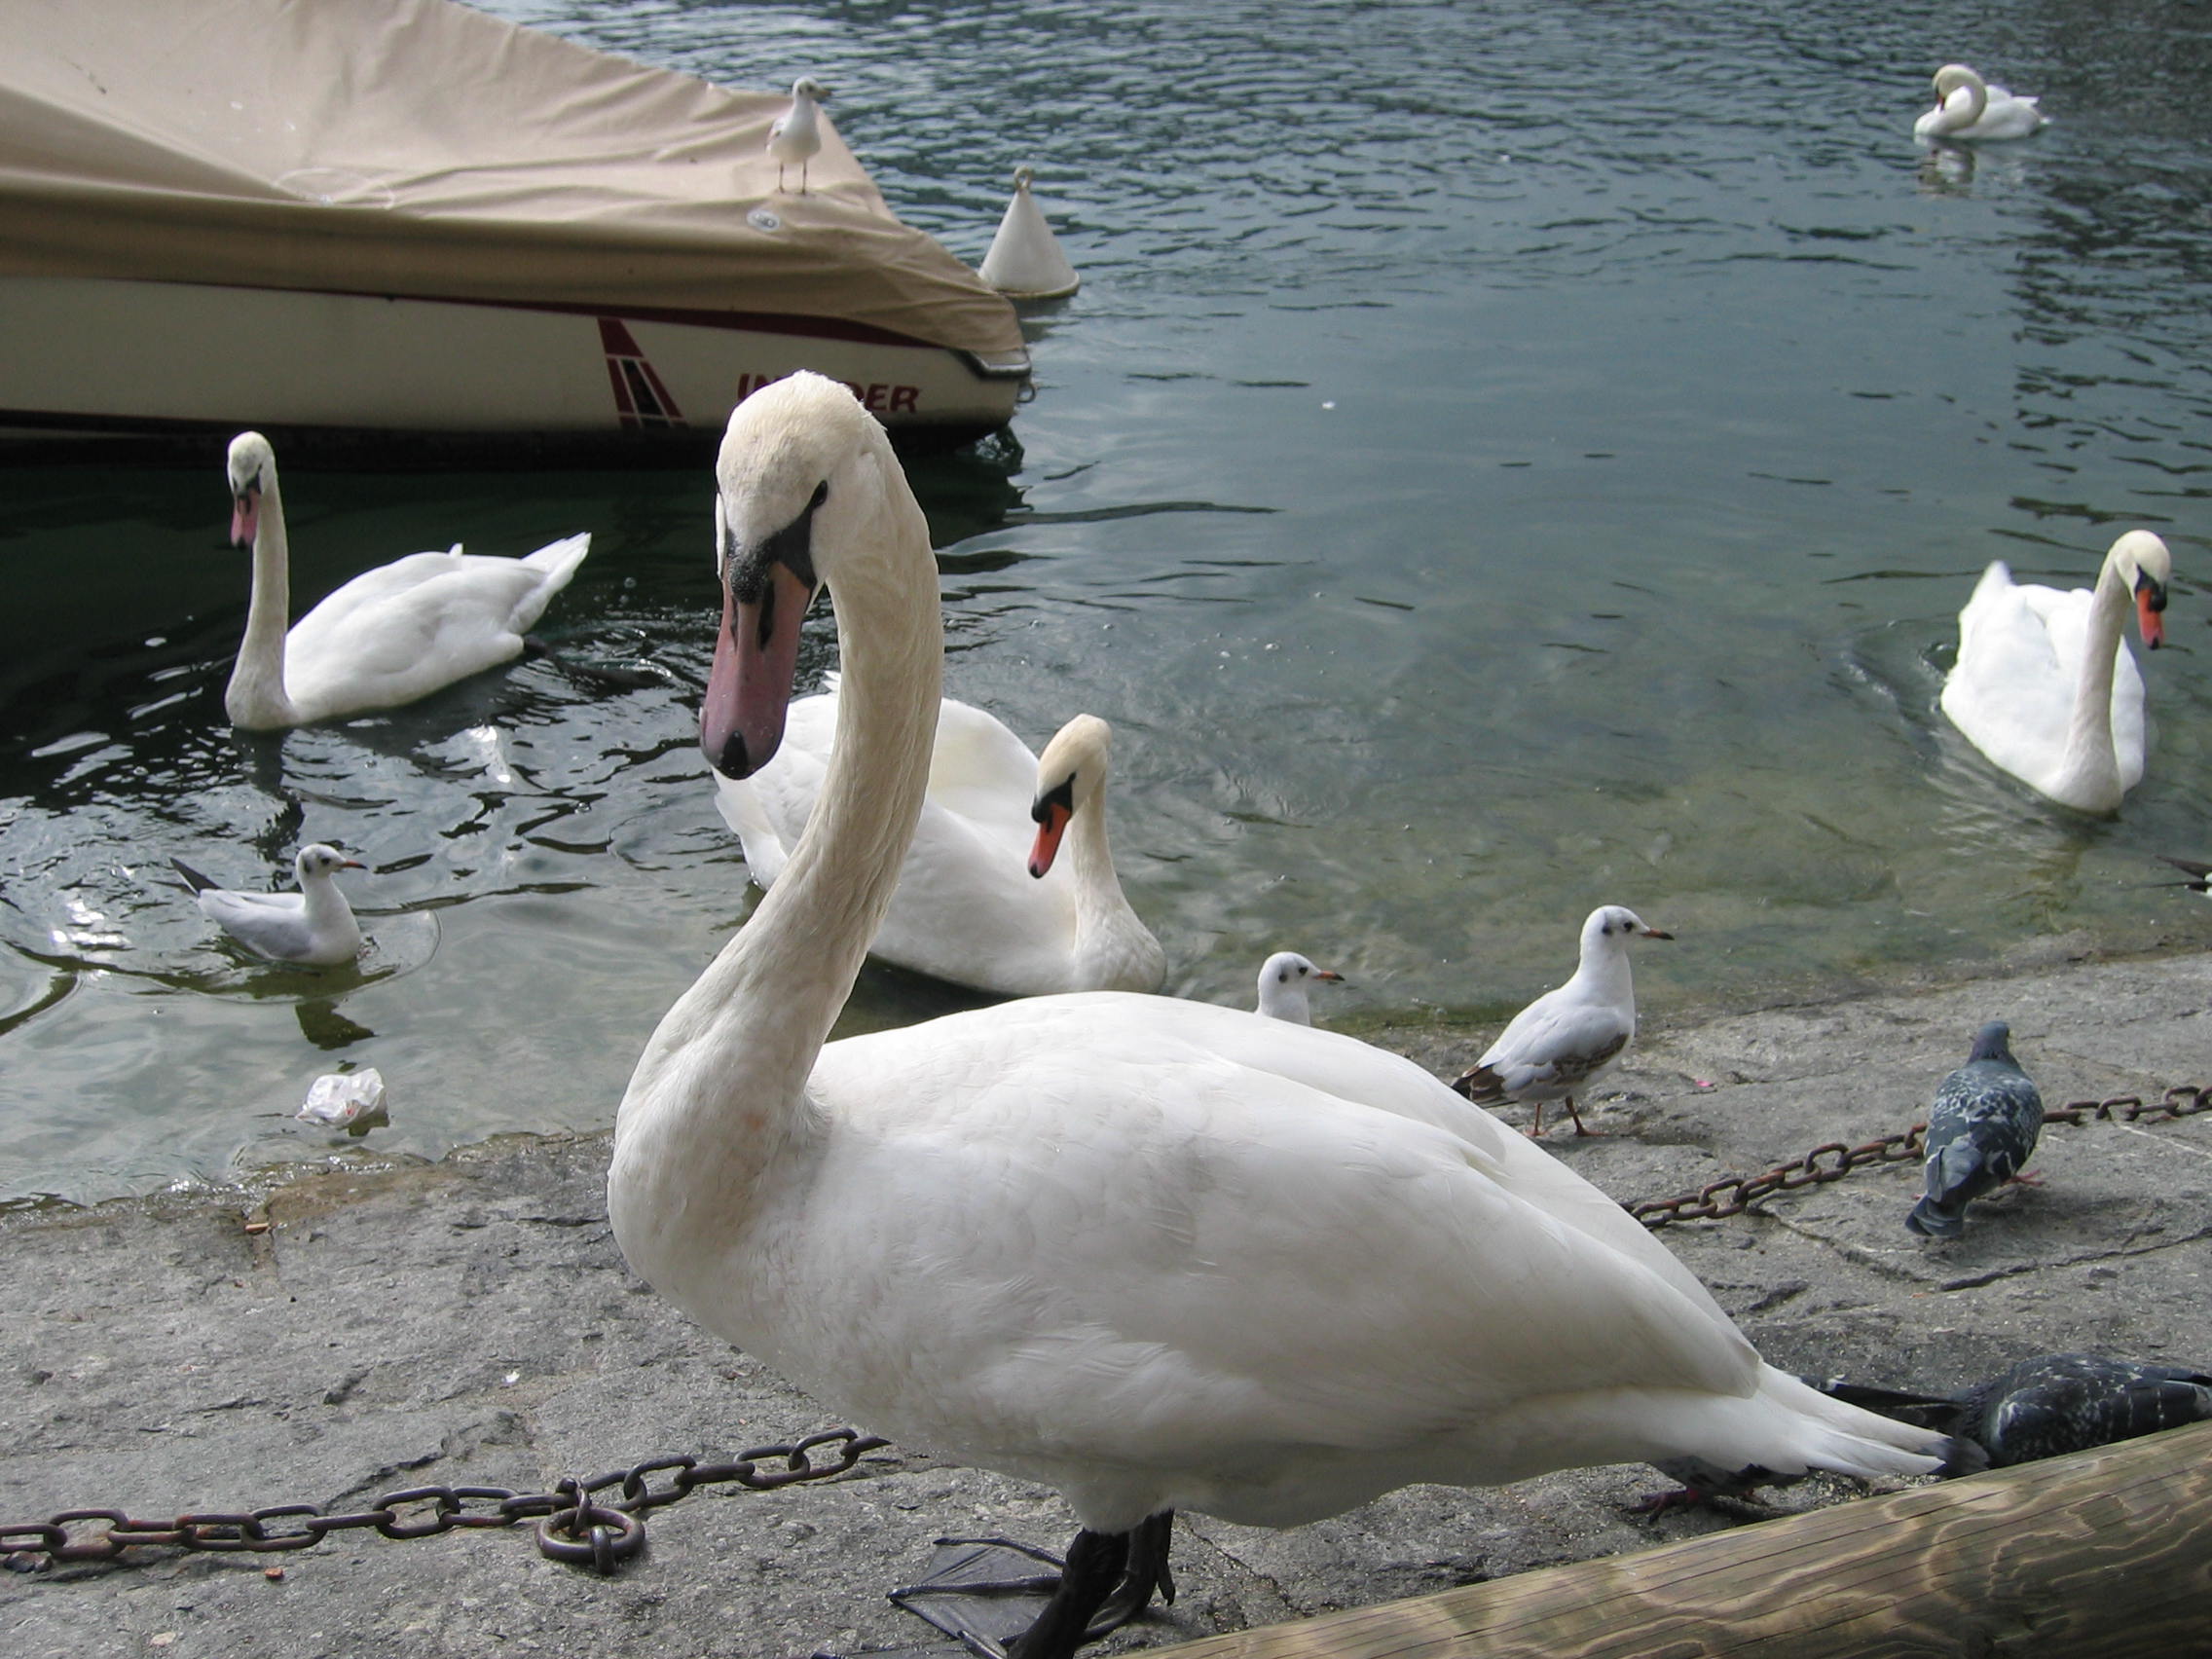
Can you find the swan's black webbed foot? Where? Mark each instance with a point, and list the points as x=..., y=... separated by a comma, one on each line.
x=989, y=1594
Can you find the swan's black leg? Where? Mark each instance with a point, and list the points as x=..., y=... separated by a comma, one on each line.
x=1094, y=1567
x=982, y=1591
x=1147, y=1572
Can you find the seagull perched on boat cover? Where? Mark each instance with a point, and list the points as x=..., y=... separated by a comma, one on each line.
x=1568, y=1037
x=795, y=135
x=313, y=927
x=1283, y=986
x=1981, y=1132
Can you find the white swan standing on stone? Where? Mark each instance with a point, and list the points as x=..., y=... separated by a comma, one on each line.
x=1284, y=990
x=2044, y=684
x=313, y=927
x=1154, y=1253
x=390, y=635
x=1968, y=107
x=969, y=910
x=795, y=138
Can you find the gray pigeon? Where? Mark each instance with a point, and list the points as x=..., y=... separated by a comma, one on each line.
x=1981, y=1132
x=2049, y=1404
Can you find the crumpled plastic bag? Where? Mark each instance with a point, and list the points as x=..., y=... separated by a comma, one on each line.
x=353, y=1102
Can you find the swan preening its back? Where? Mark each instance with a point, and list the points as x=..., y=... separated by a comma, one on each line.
x=2044, y=684
x=1969, y=107
x=985, y=898
x=1154, y=1253
x=390, y=635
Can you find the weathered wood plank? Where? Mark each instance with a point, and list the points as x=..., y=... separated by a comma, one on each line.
x=2101, y=1555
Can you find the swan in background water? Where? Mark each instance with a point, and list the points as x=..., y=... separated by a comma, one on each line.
x=1968, y=107
x=1283, y=989
x=968, y=910
x=313, y=927
x=2044, y=684
x=390, y=635
x=1157, y=1254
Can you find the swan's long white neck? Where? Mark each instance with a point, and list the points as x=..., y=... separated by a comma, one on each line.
x=1109, y=939
x=256, y=695
x=718, y=1100
x=2092, y=769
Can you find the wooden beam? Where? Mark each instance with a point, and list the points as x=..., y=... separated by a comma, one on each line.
x=2101, y=1555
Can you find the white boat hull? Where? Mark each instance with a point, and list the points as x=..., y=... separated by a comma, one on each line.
x=84, y=356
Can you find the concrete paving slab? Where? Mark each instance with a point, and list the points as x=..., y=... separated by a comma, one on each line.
x=471, y=1322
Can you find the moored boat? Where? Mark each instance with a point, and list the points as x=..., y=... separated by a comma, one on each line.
x=364, y=224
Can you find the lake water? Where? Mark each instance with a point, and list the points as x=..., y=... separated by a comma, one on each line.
x=1503, y=458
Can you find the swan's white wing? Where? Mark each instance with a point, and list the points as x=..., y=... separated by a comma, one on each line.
x=1258, y=1236
x=402, y=631
x=2009, y=691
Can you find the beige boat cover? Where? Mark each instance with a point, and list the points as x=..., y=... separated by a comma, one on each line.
x=418, y=147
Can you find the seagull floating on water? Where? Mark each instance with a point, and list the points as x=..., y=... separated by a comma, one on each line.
x=1284, y=987
x=795, y=135
x=1969, y=107
x=1568, y=1037
x=1981, y=1132
x=313, y=927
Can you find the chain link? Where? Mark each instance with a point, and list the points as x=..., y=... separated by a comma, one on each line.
x=571, y=1526
x=1733, y=1194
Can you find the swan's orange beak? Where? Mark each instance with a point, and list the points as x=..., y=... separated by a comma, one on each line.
x=748, y=688
x=1052, y=813
x=245, y=515
x=2150, y=601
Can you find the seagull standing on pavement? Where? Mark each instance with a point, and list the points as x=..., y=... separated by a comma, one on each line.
x=313, y=927
x=1981, y=1132
x=1283, y=980
x=795, y=135
x=1566, y=1039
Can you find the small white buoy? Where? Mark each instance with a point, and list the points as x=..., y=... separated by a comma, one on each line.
x=1025, y=261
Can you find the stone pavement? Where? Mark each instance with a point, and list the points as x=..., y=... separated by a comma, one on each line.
x=471, y=1322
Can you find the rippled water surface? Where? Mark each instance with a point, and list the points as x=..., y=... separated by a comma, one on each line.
x=1503, y=458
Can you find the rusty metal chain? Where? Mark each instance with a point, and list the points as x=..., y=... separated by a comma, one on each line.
x=571, y=1526
x=1733, y=1194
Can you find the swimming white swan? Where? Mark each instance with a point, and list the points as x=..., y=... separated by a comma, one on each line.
x=1283, y=989
x=1570, y=1036
x=2044, y=684
x=968, y=909
x=795, y=135
x=313, y=927
x=1968, y=107
x=387, y=637
x=1154, y=1253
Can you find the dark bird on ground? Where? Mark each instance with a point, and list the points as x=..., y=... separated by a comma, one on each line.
x=1980, y=1133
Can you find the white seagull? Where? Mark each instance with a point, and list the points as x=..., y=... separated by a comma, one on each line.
x=1568, y=1037
x=313, y=927
x=795, y=138
x=1283, y=980
x=390, y=635
x=1157, y=1254
x=1969, y=107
